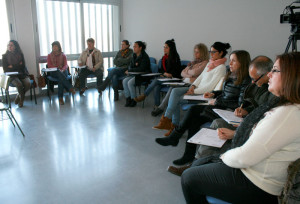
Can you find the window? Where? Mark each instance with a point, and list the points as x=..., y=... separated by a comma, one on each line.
x=4, y=34
x=71, y=22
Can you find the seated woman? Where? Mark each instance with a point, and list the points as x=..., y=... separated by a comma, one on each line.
x=171, y=67
x=206, y=82
x=231, y=97
x=190, y=73
x=266, y=142
x=122, y=61
x=58, y=59
x=140, y=62
x=13, y=61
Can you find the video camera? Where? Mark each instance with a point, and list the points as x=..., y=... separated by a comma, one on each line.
x=289, y=16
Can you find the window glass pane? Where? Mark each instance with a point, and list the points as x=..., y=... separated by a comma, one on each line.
x=4, y=34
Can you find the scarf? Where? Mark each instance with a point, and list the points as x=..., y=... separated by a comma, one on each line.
x=243, y=132
x=164, y=59
x=89, y=60
x=214, y=63
x=57, y=59
x=14, y=58
x=124, y=52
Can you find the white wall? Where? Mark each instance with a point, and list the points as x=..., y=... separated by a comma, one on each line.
x=250, y=25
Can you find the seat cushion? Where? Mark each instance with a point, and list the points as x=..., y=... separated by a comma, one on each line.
x=213, y=200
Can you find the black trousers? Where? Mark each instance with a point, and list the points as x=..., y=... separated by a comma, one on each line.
x=223, y=182
x=85, y=72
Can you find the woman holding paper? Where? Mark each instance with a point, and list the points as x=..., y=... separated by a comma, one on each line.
x=214, y=71
x=235, y=83
x=190, y=74
x=171, y=67
x=57, y=59
x=13, y=61
x=266, y=142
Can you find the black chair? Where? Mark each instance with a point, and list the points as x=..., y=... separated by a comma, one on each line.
x=5, y=104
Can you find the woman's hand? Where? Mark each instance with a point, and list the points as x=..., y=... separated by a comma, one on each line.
x=126, y=72
x=10, y=66
x=225, y=133
x=190, y=91
x=240, y=112
x=208, y=95
x=212, y=102
x=167, y=75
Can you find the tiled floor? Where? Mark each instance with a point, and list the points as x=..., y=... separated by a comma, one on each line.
x=93, y=150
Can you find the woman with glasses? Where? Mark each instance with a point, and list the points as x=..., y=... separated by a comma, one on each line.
x=171, y=67
x=254, y=170
x=214, y=71
x=57, y=59
x=13, y=61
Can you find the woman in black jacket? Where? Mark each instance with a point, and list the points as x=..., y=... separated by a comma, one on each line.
x=13, y=61
x=235, y=83
x=140, y=63
x=171, y=67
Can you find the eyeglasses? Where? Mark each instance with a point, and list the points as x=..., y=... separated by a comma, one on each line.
x=213, y=52
x=261, y=76
x=165, y=47
x=275, y=71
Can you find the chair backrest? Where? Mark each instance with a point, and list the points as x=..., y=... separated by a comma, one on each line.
x=152, y=60
x=184, y=62
x=154, y=67
x=4, y=81
x=4, y=85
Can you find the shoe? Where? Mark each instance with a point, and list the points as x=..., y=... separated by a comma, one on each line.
x=172, y=139
x=178, y=170
x=164, y=123
x=100, y=92
x=82, y=91
x=72, y=90
x=170, y=131
x=156, y=112
x=61, y=101
x=116, y=95
x=104, y=84
x=188, y=156
x=22, y=97
x=133, y=103
x=20, y=104
x=17, y=99
x=128, y=101
x=140, y=98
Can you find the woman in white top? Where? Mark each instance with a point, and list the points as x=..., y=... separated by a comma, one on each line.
x=255, y=169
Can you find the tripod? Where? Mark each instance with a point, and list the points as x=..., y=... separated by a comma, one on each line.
x=293, y=40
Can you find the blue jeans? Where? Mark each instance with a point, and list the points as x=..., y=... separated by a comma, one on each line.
x=129, y=87
x=156, y=85
x=114, y=74
x=175, y=100
x=62, y=82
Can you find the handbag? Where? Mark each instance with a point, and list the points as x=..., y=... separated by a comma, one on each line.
x=41, y=81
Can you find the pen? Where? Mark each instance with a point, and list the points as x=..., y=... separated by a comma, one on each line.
x=241, y=107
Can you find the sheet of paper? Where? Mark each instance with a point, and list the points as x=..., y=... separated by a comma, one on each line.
x=11, y=73
x=174, y=83
x=49, y=69
x=207, y=137
x=169, y=79
x=79, y=67
x=228, y=116
x=152, y=74
x=136, y=73
x=195, y=97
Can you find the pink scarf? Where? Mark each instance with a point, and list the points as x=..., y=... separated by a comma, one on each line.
x=214, y=63
x=57, y=59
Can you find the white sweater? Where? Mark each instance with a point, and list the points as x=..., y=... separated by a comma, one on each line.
x=207, y=81
x=272, y=146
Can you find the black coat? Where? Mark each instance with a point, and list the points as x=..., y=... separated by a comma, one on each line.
x=140, y=63
x=173, y=67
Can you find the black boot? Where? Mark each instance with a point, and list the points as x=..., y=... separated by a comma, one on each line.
x=132, y=103
x=172, y=139
x=188, y=156
x=104, y=84
x=128, y=102
x=116, y=94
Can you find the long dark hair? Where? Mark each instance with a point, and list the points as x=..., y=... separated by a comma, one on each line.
x=57, y=44
x=141, y=44
x=221, y=47
x=17, y=47
x=244, y=59
x=173, y=55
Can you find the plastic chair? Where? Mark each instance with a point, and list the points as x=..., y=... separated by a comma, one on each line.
x=5, y=104
x=212, y=200
x=54, y=81
x=152, y=60
x=30, y=89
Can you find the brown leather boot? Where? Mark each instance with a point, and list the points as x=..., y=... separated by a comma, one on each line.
x=17, y=99
x=22, y=97
x=140, y=98
x=164, y=123
x=61, y=101
x=170, y=131
x=178, y=170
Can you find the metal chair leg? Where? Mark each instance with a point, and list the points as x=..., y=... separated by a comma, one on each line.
x=16, y=123
x=10, y=118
